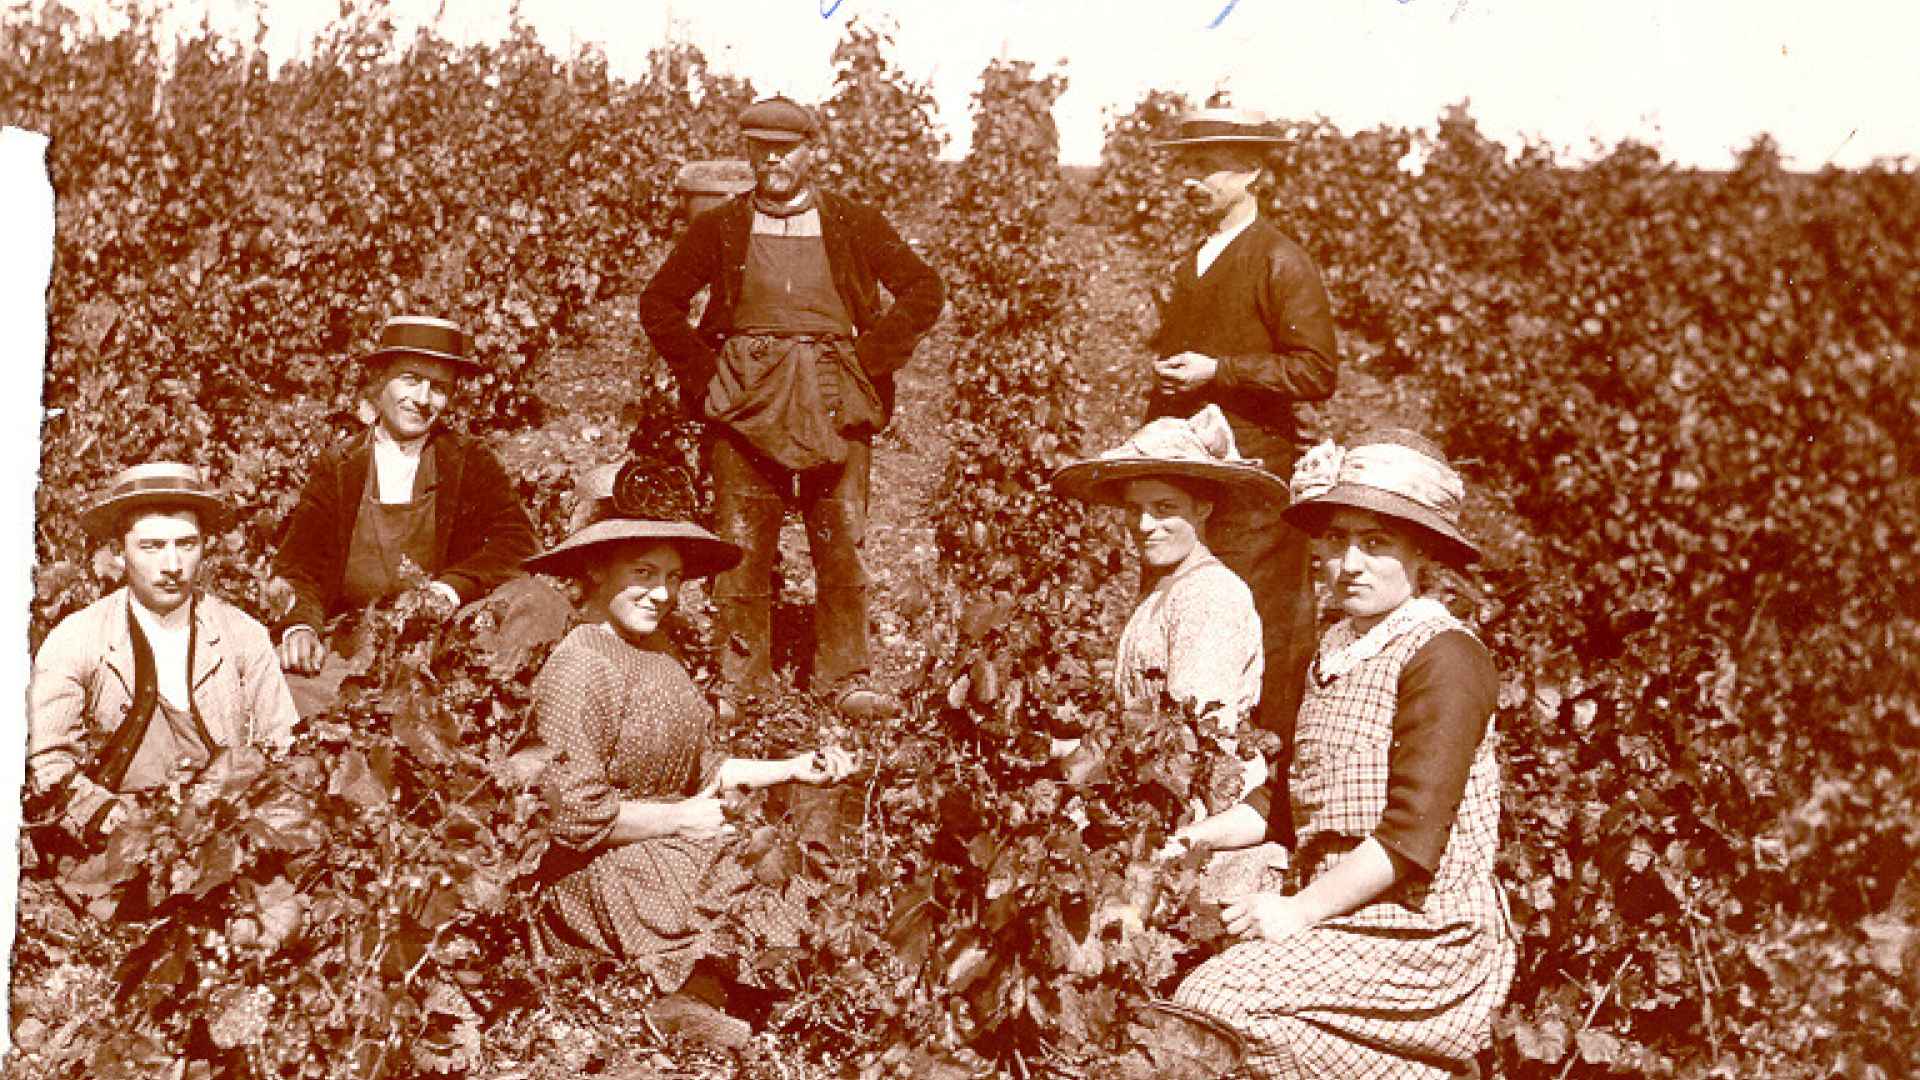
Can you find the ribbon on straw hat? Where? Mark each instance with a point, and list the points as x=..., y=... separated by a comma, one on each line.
x=1200, y=447
x=1394, y=472
x=159, y=484
x=635, y=500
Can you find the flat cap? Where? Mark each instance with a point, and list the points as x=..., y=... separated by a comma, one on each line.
x=778, y=119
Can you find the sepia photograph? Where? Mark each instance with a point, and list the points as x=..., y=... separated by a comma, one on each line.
x=815, y=539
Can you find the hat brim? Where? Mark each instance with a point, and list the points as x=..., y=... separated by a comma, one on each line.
x=101, y=520
x=775, y=135
x=378, y=356
x=703, y=553
x=1101, y=480
x=1310, y=515
x=1221, y=140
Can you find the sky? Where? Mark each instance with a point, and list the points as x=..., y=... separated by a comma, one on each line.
x=1833, y=81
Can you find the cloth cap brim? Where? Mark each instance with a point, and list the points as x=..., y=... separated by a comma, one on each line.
x=704, y=554
x=1310, y=515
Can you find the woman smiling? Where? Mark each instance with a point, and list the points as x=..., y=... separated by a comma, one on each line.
x=1194, y=632
x=642, y=861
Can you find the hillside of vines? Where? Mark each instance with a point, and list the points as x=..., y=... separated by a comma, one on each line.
x=1684, y=403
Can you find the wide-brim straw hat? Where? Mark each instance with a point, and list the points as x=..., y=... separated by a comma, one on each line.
x=1200, y=447
x=1392, y=472
x=624, y=502
x=161, y=484
x=424, y=335
x=1227, y=127
x=702, y=553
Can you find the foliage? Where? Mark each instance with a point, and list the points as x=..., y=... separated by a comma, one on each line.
x=1685, y=401
x=880, y=125
x=353, y=908
x=230, y=237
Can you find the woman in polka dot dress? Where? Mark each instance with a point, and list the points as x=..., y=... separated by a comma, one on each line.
x=1383, y=950
x=641, y=868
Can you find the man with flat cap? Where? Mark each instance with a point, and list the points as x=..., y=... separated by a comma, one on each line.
x=792, y=370
x=407, y=492
x=154, y=678
x=1248, y=327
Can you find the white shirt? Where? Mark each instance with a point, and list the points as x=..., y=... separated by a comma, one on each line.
x=1217, y=243
x=168, y=636
x=395, y=464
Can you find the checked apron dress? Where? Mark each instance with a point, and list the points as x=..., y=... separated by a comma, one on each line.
x=1407, y=985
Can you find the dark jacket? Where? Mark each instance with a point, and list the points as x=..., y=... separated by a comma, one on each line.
x=480, y=530
x=1263, y=313
x=864, y=253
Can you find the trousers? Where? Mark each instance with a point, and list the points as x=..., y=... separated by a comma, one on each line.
x=1276, y=561
x=751, y=493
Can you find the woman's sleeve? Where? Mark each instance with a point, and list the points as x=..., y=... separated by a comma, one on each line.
x=574, y=714
x=1447, y=693
x=1214, y=657
x=1213, y=646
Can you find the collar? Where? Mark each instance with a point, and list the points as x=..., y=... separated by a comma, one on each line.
x=1343, y=650
x=172, y=623
x=801, y=202
x=386, y=445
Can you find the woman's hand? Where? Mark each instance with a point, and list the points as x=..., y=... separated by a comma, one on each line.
x=702, y=816
x=827, y=765
x=1266, y=915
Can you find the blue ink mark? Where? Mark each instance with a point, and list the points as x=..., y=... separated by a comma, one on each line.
x=1224, y=12
x=828, y=7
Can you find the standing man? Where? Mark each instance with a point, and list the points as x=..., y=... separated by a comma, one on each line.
x=407, y=491
x=792, y=369
x=1249, y=328
x=154, y=678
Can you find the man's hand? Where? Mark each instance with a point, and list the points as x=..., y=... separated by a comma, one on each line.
x=1185, y=371
x=1266, y=915
x=301, y=651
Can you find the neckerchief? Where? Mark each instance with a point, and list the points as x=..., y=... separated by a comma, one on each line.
x=800, y=205
x=1342, y=651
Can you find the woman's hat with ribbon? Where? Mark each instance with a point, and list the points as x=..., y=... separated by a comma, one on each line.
x=1197, y=448
x=164, y=485
x=1392, y=471
x=643, y=500
x=424, y=335
x=1209, y=127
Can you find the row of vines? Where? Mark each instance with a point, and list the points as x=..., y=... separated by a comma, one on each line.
x=1689, y=401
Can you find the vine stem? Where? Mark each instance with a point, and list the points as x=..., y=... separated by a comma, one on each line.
x=1573, y=1053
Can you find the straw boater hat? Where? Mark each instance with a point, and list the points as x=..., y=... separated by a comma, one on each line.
x=164, y=484
x=424, y=335
x=1198, y=448
x=778, y=119
x=1243, y=127
x=637, y=500
x=1392, y=471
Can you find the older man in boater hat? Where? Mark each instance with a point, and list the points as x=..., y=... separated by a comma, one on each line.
x=407, y=491
x=154, y=677
x=1248, y=327
x=792, y=369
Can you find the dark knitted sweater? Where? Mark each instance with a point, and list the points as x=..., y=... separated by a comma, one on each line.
x=1263, y=313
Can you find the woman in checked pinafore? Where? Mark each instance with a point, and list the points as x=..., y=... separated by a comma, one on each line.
x=1383, y=950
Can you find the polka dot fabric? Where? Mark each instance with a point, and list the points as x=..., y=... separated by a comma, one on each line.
x=630, y=724
x=1405, y=986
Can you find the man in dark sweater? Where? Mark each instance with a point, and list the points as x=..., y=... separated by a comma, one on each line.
x=406, y=492
x=1248, y=327
x=792, y=370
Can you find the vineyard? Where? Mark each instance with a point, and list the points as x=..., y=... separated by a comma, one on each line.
x=1684, y=403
